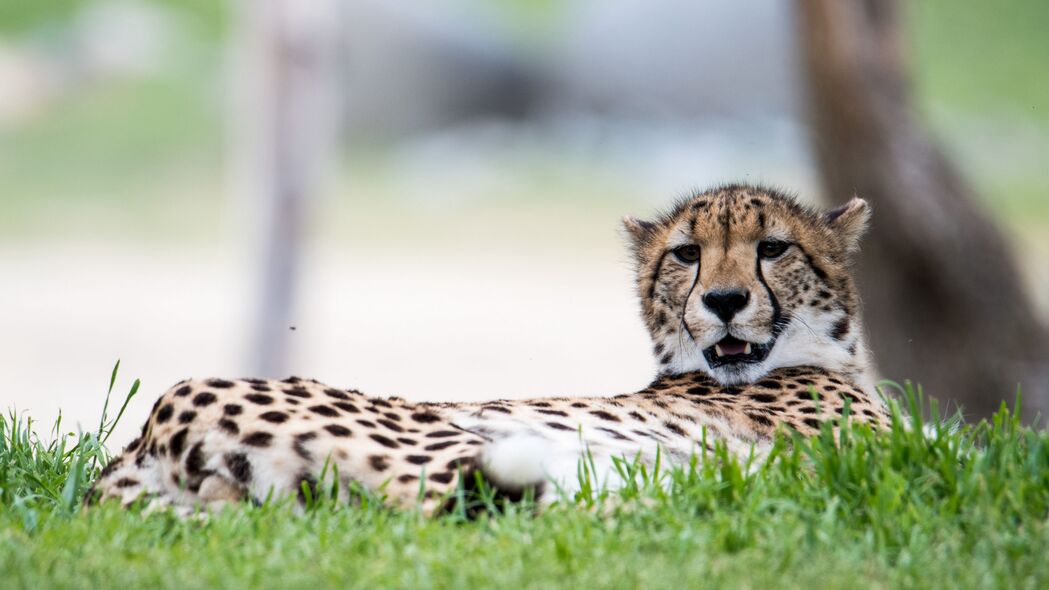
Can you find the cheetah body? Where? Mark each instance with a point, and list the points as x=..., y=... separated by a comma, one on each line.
x=789, y=354
x=214, y=441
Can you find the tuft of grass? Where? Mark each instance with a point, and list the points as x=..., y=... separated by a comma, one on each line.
x=930, y=503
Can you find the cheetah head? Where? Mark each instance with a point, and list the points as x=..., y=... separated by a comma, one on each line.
x=741, y=280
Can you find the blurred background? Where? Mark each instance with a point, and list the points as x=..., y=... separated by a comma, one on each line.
x=423, y=199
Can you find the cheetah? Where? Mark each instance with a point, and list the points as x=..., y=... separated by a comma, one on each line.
x=755, y=324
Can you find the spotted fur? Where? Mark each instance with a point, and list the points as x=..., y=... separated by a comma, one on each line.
x=213, y=441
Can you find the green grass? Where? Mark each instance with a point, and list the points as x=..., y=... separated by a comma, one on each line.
x=963, y=507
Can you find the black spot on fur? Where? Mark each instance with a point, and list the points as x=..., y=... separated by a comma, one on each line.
x=335, y=393
x=500, y=409
x=297, y=392
x=378, y=462
x=407, y=478
x=613, y=433
x=229, y=426
x=758, y=418
x=220, y=383
x=232, y=409
x=418, y=459
x=840, y=329
x=204, y=398
x=183, y=391
x=552, y=412
x=239, y=467
x=347, y=407
x=665, y=360
x=186, y=417
x=178, y=442
x=338, y=430
x=195, y=459
x=812, y=422
x=261, y=387
x=699, y=390
x=111, y=467
x=770, y=384
x=578, y=405
x=559, y=426
x=763, y=398
x=258, y=398
x=258, y=439
x=384, y=441
x=425, y=417
x=164, y=414
x=391, y=425
x=442, y=434
x=459, y=463
x=445, y=477
x=404, y=440
x=126, y=482
x=299, y=446
x=672, y=427
x=324, y=411
x=274, y=417
x=440, y=445
x=637, y=416
x=854, y=399
x=605, y=415
x=293, y=379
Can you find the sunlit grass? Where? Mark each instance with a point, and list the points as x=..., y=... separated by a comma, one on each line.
x=927, y=504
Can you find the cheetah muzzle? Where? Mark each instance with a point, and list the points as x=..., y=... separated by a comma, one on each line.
x=755, y=326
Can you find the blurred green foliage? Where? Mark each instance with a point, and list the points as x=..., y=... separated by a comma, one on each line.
x=155, y=144
x=20, y=16
x=983, y=57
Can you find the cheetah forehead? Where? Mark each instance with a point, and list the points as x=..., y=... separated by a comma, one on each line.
x=738, y=213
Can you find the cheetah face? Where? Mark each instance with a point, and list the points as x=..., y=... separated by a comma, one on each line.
x=740, y=281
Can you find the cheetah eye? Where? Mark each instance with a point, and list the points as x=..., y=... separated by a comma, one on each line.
x=772, y=248
x=687, y=254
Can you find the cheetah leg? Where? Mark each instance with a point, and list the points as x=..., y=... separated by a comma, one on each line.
x=129, y=479
x=556, y=467
x=217, y=491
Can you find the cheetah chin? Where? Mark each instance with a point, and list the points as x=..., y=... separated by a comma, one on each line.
x=755, y=326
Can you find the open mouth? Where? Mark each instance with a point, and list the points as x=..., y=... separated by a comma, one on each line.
x=730, y=350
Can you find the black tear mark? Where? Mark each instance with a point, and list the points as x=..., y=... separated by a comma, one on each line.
x=777, y=320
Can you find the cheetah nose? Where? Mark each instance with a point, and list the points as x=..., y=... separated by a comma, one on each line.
x=725, y=304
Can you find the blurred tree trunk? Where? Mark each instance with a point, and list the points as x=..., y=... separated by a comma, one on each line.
x=945, y=303
x=286, y=58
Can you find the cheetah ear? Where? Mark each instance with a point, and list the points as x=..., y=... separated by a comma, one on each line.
x=638, y=230
x=849, y=222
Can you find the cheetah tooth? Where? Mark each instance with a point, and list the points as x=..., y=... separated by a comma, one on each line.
x=717, y=350
x=746, y=349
